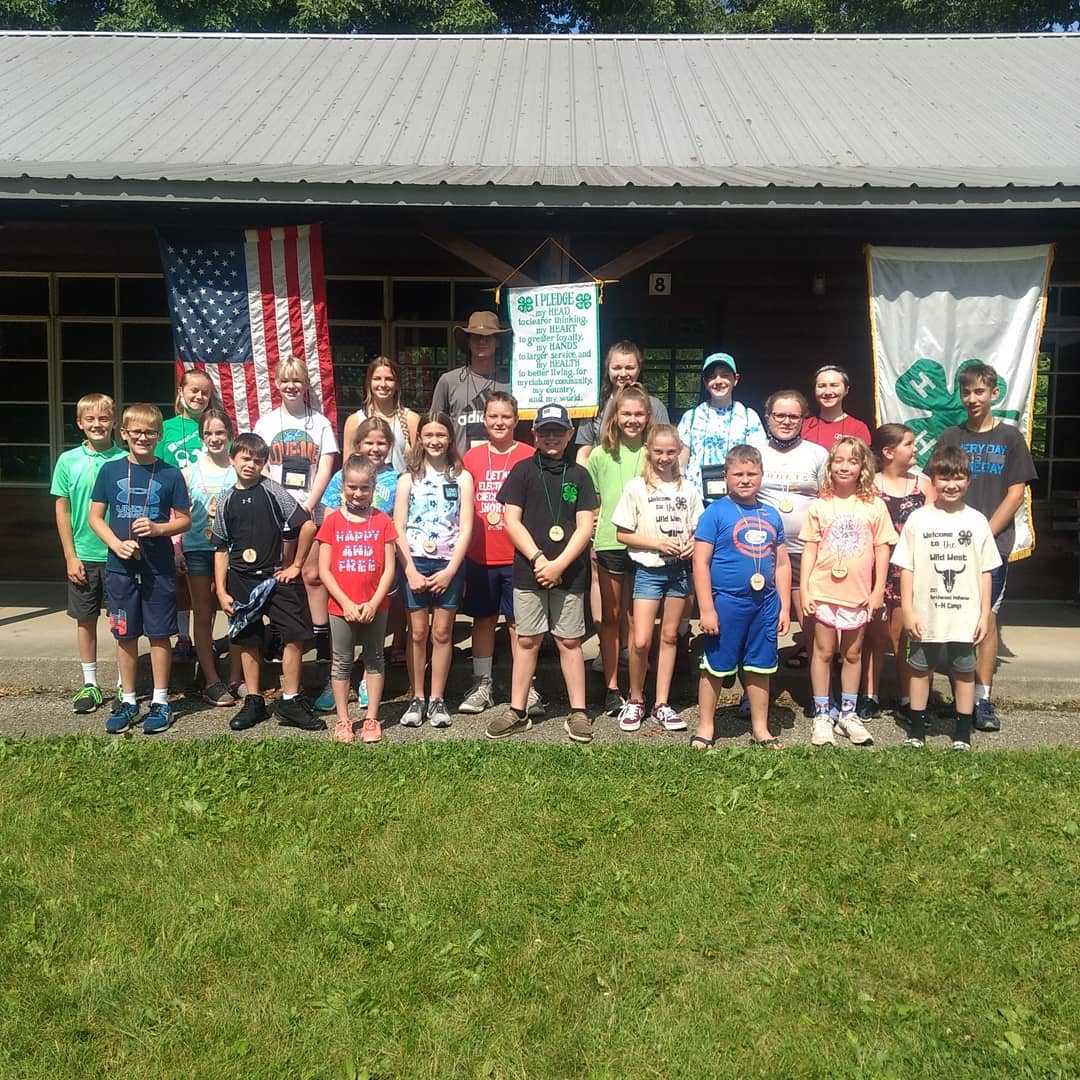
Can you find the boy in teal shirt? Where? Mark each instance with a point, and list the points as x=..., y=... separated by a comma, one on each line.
x=84, y=553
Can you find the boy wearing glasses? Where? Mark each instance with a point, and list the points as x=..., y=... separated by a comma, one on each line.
x=138, y=504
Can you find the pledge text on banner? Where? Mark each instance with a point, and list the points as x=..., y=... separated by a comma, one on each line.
x=556, y=348
x=934, y=309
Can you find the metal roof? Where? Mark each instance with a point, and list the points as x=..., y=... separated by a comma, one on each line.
x=641, y=120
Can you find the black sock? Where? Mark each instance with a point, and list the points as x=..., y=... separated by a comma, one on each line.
x=917, y=724
x=962, y=731
x=521, y=714
x=321, y=636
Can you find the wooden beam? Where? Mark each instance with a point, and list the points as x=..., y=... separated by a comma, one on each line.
x=483, y=260
x=641, y=255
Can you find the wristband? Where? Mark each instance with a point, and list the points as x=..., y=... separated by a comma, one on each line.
x=532, y=561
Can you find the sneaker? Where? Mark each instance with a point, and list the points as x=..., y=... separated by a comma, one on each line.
x=343, y=731
x=480, y=697
x=252, y=712
x=123, y=715
x=986, y=717
x=744, y=708
x=630, y=715
x=578, y=726
x=325, y=701
x=959, y=744
x=297, y=712
x=507, y=724
x=850, y=725
x=182, y=652
x=822, y=735
x=613, y=702
x=437, y=714
x=414, y=714
x=362, y=694
x=238, y=690
x=158, y=719
x=902, y=713
x=87, y=699
x=535, y=705
x=668, y=718
x=868, y=708
x=219, y=694
x=914, y=742
x=371, y=732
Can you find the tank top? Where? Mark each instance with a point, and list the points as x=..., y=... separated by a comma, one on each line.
x=900, y=508
x=204, y=491
x=433, y=521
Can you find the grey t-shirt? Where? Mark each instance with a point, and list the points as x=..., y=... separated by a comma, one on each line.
x=790, y=484
x=462, y=393
x=588, y=432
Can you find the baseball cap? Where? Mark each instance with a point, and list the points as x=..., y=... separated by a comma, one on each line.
x=720, y=358
x=552, y=414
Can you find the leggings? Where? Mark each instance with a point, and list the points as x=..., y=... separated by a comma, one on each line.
x=345, y=636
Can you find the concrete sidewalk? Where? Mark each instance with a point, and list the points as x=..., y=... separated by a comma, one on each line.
x=1040, y=654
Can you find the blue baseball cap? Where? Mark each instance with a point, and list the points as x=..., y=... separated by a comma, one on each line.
x=720, y=358
x=555, y=415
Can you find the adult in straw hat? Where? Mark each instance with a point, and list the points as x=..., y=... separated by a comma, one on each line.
x=462, y=392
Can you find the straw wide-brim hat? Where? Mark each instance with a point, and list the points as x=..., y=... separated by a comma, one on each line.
x=482, y=323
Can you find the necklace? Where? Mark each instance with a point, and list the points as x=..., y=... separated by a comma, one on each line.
x=494, y=517
x=137, y=554
x=757, y=578
x=556, y=532
x=839, y=570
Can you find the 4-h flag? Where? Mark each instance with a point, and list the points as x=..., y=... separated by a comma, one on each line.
x=241, y=302
x=932, y=309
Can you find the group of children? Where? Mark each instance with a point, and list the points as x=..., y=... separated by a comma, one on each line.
x=410, y=530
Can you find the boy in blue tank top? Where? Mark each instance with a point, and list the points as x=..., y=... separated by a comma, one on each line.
x=742, y=579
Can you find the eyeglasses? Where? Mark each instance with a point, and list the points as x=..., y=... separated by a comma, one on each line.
x=142, y=434
x=791, y=418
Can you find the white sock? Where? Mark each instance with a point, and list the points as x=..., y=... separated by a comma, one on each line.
x=160, y=697
x=288, y=697
x=89, y=673
x=129, y=699
x=481, y=666
x=183, y=624
x=982, y=692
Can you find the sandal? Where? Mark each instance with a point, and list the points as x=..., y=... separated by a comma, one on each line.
x=699, y=742
x=773, y=743
x=798, y=659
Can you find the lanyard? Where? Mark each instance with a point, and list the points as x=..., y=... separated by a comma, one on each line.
x=547, y=497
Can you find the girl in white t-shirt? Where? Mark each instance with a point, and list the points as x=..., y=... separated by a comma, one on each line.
x=303, y=457
x=655, y=518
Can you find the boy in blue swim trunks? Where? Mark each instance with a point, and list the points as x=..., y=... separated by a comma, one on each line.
x=742, y=579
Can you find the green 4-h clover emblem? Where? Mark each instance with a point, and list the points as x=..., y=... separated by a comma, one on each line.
x=525, y=303
x=569, y=492
x=925, y=386
x=583, y=301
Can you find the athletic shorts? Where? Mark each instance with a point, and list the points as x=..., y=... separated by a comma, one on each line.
x=555, y=611
x=199, y=563
x=930, y=655
x=615, y=561
x=416, y=601
x=86, y=601
x=286, y=608
x=659, y=582
x=142, y=605
x=489, y=590
x=998, y=579
x=747, y=635
x=841, y=618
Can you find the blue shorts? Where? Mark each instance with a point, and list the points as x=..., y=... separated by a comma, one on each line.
x=142, y=606
x=998, y=578
x=489, y=590
x=747, y=635
x=658, y=582
x=199, y=563
x=415, y=601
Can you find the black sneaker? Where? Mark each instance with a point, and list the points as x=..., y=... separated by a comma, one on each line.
x=252, y=712
x=298, y=713
x=613, y=702
x=869, y=708
x=986, y=717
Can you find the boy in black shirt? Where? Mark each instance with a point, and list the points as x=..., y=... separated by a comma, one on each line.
x=550, y=511
x=256, y=536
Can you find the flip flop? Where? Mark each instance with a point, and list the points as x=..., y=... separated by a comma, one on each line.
x=773, y=743
x=700, y=742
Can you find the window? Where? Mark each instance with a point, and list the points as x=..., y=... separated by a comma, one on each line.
x=1054, y=445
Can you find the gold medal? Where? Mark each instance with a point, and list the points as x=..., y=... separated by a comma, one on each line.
x=430, y=546
x=757, y=582
x=493, y=517
x=839, y=572
x=556, y=533
x=249, y=555
x=786, y=506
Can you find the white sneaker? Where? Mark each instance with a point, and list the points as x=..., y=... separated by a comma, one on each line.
x=413, y=716
x=668, y=718
x=535, y=705
x=822, y=735
x=480, y=697
x=630, y=715
x=437, y=714
x=851, y=726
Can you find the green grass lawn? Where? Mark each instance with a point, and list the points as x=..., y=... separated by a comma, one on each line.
x=442, y=910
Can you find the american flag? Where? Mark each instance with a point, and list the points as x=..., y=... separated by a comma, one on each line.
x=239, y=304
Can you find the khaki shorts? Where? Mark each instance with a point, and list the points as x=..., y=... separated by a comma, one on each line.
x=540, y=611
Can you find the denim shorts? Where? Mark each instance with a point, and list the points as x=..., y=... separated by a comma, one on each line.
x=415, y=601
x=199, y=563
x=658, y=582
